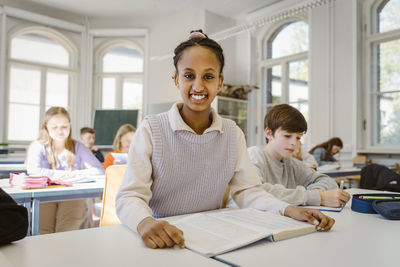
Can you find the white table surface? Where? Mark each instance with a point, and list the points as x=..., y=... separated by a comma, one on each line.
x=109, y=246
x=357, y=239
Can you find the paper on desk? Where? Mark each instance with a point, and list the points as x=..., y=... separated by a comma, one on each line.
x=329, y=167
x=323, y=208
x=121, y=157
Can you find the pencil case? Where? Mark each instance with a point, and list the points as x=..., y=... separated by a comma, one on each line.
x=33, y=182
x=387, y=205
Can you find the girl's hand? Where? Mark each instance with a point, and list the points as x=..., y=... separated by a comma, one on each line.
x=334, y=197
x=160, y=234
x=320, y=220
x=335, y=163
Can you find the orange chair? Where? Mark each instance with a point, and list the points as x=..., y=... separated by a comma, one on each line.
x=114, y=176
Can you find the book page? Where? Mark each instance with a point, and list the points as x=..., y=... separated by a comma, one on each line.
x=214, y=233
x=257, y=220
x=211, y=236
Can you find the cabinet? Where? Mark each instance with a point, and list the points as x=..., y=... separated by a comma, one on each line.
x=234, y=109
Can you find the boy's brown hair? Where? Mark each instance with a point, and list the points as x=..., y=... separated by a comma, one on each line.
x=87, y=130
x=286, y=117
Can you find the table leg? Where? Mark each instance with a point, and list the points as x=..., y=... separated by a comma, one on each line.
x=35, y=216
x=27, y=205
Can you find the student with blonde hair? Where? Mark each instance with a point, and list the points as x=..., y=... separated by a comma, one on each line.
x=56, y=155
x=121, y=144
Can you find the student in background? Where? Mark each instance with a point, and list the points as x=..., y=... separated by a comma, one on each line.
x=88, y=136
x=122, y=142
x=323, y=153
x=304, y=156
x=55, y=154
x=284, y=176
x=182, y=161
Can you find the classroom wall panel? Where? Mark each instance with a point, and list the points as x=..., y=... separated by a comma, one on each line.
x=333, y=77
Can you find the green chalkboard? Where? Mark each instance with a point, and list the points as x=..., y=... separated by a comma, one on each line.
x=107, y=122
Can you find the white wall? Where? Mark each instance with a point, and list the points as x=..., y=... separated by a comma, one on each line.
x=333, y=77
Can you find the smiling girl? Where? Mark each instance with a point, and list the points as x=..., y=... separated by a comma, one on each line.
x=183, y=160
x=56, y=155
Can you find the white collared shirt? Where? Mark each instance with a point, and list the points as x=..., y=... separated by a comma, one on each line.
x=135, y=191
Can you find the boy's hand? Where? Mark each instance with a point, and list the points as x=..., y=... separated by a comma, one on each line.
x=320, y=220
x=334, y=197
x=116, y=162
x=160, y=234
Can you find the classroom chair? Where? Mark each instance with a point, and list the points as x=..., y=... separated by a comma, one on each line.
x=114, y=176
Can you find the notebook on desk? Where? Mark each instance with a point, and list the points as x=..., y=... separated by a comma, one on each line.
x=323, y=208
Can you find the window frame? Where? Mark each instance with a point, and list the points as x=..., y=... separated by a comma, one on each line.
x=284, y=61
x=369, y=39
x=72, y=71
x=98, y=74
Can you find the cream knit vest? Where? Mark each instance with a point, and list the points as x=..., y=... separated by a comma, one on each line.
x=190, y=172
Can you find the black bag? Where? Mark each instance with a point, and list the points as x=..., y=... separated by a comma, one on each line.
x=378, y=177
x=13, y=219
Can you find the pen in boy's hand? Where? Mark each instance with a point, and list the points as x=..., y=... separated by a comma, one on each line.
x=341, y=184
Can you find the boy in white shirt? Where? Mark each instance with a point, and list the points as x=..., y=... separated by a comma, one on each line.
x=284, y=176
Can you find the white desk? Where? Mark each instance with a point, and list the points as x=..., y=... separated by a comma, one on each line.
x=357, y=239
x=36, y=196
x=105, y=246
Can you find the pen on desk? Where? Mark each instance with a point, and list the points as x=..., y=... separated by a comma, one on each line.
x=378, y=197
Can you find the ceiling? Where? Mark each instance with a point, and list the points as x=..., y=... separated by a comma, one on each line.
x=227, y=8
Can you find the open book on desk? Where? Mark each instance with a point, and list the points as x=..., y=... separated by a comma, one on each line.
x=212, y=234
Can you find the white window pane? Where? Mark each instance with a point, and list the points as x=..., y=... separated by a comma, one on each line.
x=389, y=18
x=108, y=93
x=123, y=59
x=24, y=86
x=389, y=66
x=388, y=119
x=23, y=122
x=292, y=39
x=273, y=85
x=302, y=107
x=132, y=94
x=39, y=48
x=298, y=81
x=57, y=89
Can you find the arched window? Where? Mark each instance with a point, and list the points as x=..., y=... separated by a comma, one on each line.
x=119, y=75
x=383, y=73
x=41, y=73
x=284, y=67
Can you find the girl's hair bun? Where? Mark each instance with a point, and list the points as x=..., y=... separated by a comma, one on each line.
x=197, y=34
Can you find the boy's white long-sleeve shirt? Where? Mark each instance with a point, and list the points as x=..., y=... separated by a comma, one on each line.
x=289, y=180
x=135, y=191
